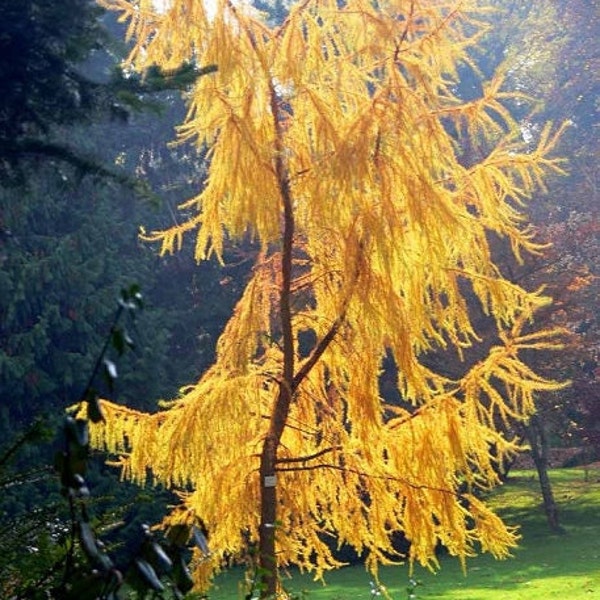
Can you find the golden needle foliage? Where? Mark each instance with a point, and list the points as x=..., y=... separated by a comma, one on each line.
x=344, y=111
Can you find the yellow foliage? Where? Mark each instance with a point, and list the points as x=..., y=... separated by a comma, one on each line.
x=332, y=131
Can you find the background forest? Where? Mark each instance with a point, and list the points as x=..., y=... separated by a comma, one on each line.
x=86, y=161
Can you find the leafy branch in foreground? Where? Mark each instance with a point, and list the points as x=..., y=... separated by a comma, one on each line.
x=154, y=563
x=84, y=569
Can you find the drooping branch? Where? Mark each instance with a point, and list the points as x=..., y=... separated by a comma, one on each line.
x=316, y=354
x=32, y=147
x=413, y=486
x=307, y=457
x=326, y=340
x=404, y=35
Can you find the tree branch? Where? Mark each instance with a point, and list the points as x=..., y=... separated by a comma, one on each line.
x=39, y=147
x=411, y=485
x=308, y=456
x=316, y=354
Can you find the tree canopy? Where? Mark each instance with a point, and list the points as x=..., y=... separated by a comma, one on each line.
x=334, y=142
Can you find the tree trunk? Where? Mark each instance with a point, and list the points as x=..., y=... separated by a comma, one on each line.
x=268, y=515
x=281, y=408
x=536, y=435
x=268, y=494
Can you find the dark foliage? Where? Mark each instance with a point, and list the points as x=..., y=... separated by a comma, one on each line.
x=71, y=562
x=46, y=50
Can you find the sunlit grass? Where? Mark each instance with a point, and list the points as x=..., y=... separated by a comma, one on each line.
x=544, y=566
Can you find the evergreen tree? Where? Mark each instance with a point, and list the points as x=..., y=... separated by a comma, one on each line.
x=42, y=48
x=62, y=265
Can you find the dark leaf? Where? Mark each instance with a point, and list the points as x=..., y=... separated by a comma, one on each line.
x=160, y=558
x=118, y=340
x=104, y=562
x=128, y=340
x=76, y=465
x=94, y=410
x=178, y=535
x=71, y=467
x=131, y=298
x=80, y=485
x=138, y=301
x=88, y=541
x=111, y=368
x=93, y=549
x=77, y=431
x=200, y=540
x=182, y=576
x=177, y=594
x=148, y=574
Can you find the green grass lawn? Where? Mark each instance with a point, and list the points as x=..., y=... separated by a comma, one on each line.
x=544, y=566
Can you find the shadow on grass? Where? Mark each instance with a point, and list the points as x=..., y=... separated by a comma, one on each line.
x=544, y=566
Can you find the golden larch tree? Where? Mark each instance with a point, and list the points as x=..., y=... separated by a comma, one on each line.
x=333, y=142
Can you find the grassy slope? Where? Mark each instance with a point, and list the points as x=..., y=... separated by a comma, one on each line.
x=545, y=566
